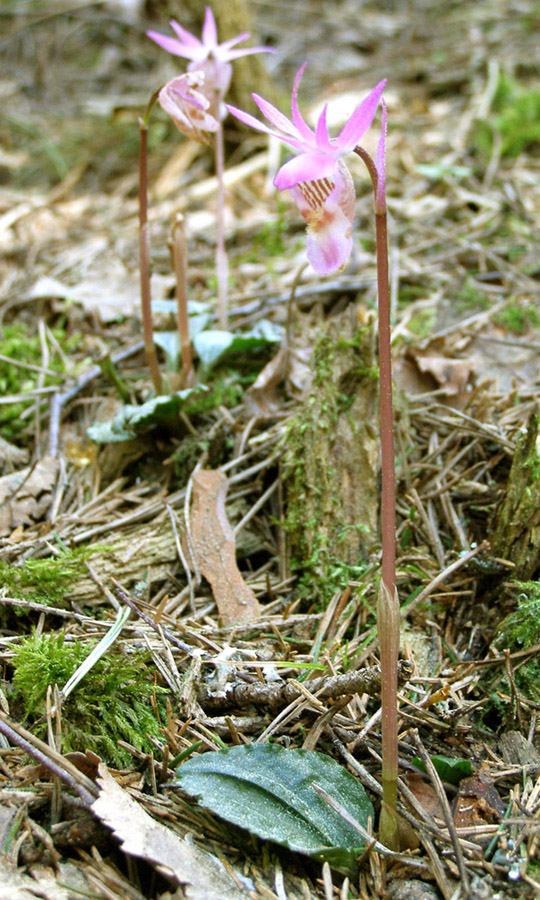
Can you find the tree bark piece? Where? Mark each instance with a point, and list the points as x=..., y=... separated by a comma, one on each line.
x=515, y=534
x=213, y=549
x=332, y=458
x=276, y=696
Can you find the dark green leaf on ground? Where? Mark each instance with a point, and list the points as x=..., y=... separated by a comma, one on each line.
x=270, y=792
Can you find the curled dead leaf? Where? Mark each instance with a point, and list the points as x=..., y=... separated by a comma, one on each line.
x=26, y=495
x=212, y=549
x=200, y=874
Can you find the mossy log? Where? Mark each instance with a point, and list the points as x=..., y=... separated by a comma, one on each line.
x=515, y=534
x=331, y=460
x=145, y=553
x=141, y=553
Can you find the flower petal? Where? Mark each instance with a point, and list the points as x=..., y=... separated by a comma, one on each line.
x=209, y=32
x=275, y=116
x=236, y=54
x=310, y=166
x=226, y=45
x=360, y=120
x=185, y=36
x=188, y=107
x=250, y=120
x=329, y=226
x=171, y=45
x=303, y=129
x=321, y=133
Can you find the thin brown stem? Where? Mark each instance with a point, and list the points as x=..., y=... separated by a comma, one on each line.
x=388, y=603
x=52, y=760
x=144, y=258
x=179, y=254
x=222, y=268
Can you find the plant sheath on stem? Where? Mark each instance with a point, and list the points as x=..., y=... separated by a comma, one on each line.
x=179, y=255
x=144, y=254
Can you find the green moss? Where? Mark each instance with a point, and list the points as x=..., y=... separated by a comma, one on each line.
x=44, y=580
x=422, y=323
x=515, y=118
x=471, y=298
x=113, y=702
x=521, y=629
x=20, y=342
x=226, y=387
x=328, y=452
x=185, y=458
x=518, y=317
x=272, y=239
x=518, y=631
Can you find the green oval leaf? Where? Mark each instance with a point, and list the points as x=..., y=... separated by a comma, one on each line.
x=132, y=421
x=450, y=770
x=270, y=792
x=215, y=346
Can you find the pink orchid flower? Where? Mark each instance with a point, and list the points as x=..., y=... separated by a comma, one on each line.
x=318, y=179
x=207, y=55
x=183, y=98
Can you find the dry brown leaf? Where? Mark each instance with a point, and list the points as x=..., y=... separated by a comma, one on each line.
x=45, y=883
x=11, y=455
x=26, y=495
x=213, y=549
x=262, y=399
x=478, y=803
x=425, y=794
x=451, y=375
x=200, y=874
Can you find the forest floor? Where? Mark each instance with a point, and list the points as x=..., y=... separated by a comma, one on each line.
x=143, y=529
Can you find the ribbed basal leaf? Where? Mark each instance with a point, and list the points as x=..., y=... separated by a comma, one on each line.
x=132, y=421
x=216, y=346
x=270, y=792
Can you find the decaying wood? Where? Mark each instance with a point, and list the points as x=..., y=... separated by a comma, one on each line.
x=332, y=453
x=516, y=530
x=212, y=549
x=275, y=696
x=141, y=552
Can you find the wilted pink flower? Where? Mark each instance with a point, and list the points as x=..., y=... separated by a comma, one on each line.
x=318, y=179
x=184, y=100
x=206, y=55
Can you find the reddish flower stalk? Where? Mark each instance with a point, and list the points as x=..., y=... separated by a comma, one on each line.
x=387, y=603
x=144, y=252
x=322, y=188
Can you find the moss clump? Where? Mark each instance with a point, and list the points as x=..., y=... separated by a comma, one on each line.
x=19, y=341
x=515, y=531
x=520, y=630
x=471, y=298
x=516, y=119
x=44, y=580
x=518, y=317
x=114, y=701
